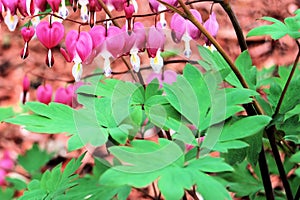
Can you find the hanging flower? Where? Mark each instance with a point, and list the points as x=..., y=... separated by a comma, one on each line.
x=26, y=86
x=54, y=4
x=183, y=29
x=44, y=93
x=212, y=26
x=64, y=95
x=11, y=18
x=155, y=45
x=79, y=47
x=135, y=41
x=49, y=35
x=157, y=7
x=27, y=34
x=63, y=10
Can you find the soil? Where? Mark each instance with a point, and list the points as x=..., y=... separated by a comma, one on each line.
x=264, y=51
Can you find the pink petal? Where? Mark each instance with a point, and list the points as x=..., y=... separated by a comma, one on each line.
x=54, y=4
x=156, y=40
x=48, y=35
x=178, y=26
x=115, y=41
x=27, y=33
x=84, y=45
x=44, y=94
x=98, y=35
x=192, y=30
x=11, y=5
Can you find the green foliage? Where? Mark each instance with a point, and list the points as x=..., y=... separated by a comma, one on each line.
x=279, y=29
x=147, y=161
x=34, y=160
x=6, y=113
x=53, y=184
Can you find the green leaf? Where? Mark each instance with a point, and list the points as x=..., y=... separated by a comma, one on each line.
x=276, y=30
x=7, y=193
x=6, y=113
x=242, y=182
x=248, y=71
x=296, y=157
x=206, y=184
x=244, y=127
x=231, y=144
x=52, y=118
x=34, y=159
x=53, y=183
x=210, y=164
x=16, y=183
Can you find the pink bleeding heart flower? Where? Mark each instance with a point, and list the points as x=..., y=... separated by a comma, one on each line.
x=41, y=4
x=129, y=10
x=10, y=5
x=22, y=7
x=50, y=35
x=44, y=93
x=155, y=45
x=94, y=6
x=11, y=19
x=54, y=4
x=27, y=34
x=212, y=26
x=98, y=35
x=26, y=86
x=64, y=95
x=183, y=29
x=155, y=6
x=79, y=48
x=135, y=41
x=1, y=16
x=169, y=76
x=6, y=162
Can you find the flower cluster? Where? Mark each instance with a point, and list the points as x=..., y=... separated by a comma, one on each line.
x=63, y=95
x=103, y=38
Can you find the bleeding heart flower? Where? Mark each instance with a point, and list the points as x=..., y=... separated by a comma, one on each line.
x=26, y=86
x=157, y=7
x=27, y=34
x=183, y=29
x=44, y=93
x=94, y=6
x=79, y=48
x=63, y=10
x=10, y=5
x=54, y=4
x=212, y=26
x=50, y=35
x=2, y=176
x=64, y=95
x=155, y=45
x=6, y=161
x=41, y=4
x=134, y=42
x=169, y=76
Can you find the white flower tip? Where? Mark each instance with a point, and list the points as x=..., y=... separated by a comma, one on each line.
x=77, y=71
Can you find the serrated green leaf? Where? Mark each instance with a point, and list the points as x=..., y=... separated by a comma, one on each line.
x=276, y=30
x=34, y=159
x=47, y=118
x=296, y=157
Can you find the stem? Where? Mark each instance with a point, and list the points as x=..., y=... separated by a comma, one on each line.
x=237, y=28
x=288, y=81
x=297, y=196
x=155, y=192
x=271, y=136
x=263, y=166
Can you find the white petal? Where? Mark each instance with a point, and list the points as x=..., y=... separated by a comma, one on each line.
x=187, y=48
x=135, y=60
x=11, y=21
x=157, y=62
x=77, y=71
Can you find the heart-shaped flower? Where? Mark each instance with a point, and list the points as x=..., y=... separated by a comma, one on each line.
x=49, y=35
x=64, y=95
x=54, y=4
x=212, y=26
x=183, y=29
x=11, y=5
x=44, y=93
